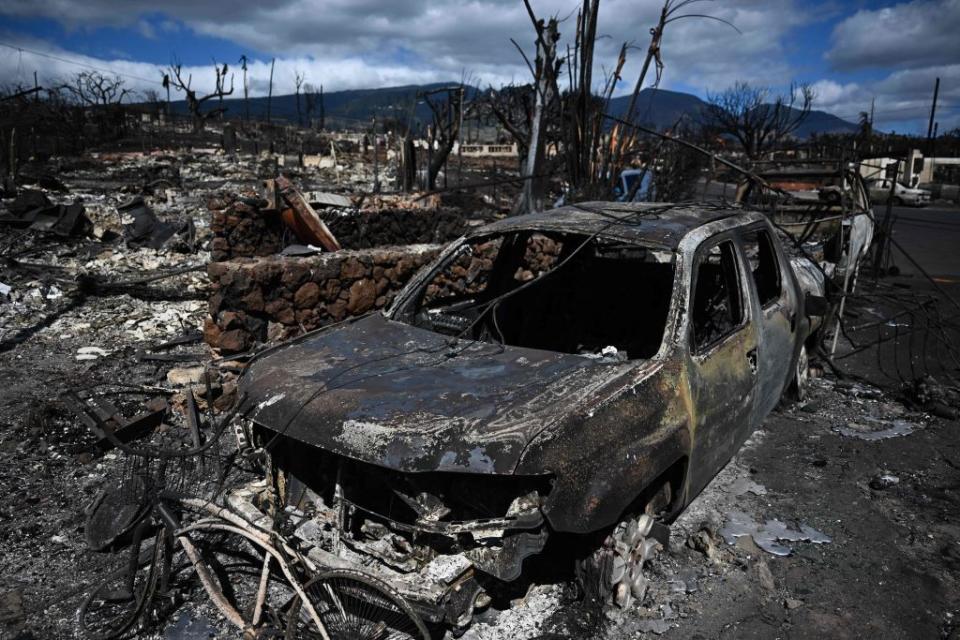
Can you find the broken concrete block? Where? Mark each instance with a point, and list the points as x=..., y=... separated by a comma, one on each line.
x=181, y=377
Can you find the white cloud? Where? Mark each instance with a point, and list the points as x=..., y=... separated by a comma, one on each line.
x=350, y=44
x=365, y=43
x=911, y=34
x=901, y=99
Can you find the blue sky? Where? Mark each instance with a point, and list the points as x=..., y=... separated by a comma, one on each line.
x=852, y=52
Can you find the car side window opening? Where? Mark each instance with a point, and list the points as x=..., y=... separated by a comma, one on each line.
x=465, y=276
x=762, y=258
x=552, y=291
x=717, y=299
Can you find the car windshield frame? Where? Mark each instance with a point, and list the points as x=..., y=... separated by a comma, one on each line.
x=408, y=302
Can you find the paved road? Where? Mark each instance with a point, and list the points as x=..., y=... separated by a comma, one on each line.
x=932, y=237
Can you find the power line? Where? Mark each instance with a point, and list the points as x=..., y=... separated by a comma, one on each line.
x=77, y=63
x=916, y=109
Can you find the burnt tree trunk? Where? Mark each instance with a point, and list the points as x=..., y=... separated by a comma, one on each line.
x=408, y=165
x=534, y=185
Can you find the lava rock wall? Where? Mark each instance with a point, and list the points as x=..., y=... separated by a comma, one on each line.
x=243, y=230
x=277, y=297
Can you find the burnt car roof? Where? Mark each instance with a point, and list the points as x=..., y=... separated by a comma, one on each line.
x=657, y=225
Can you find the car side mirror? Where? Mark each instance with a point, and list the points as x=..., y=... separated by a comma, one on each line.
x=815, y=305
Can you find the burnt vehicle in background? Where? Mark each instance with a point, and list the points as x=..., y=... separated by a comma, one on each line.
x=823, y=205
x=578, y=375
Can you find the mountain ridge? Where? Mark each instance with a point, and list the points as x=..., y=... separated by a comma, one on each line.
x=657, y=108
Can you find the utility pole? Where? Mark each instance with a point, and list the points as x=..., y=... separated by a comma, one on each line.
x=933, y=109
x=376, y=159
x=270, y=90
x=166, y=85
x=323, y=111
x=460, y=142
x=246, y=89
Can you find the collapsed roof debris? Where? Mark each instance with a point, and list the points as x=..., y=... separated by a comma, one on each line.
x=34, y=211
x=142, y=228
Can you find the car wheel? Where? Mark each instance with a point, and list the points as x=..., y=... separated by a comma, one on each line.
x=801, y=377
x=613, y=575
x=897, y=201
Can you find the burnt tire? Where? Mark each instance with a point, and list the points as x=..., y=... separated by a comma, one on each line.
x=800, y=382
x=354, y=605
x=613, y=575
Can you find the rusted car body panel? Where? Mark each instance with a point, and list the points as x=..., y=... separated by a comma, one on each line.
x=572, y=441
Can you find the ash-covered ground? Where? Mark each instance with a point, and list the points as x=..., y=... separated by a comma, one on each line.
x=837, y=519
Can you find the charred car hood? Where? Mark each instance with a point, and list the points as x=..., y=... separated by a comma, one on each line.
x=394, y=395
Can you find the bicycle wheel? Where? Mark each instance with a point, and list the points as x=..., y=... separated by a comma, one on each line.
x=114, y=606
x=242, y=575
x=353, y=605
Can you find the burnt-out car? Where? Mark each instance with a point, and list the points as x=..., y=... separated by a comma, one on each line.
x=563, y=380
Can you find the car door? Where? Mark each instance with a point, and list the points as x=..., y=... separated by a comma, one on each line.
x=722, y=357
x=776, y=315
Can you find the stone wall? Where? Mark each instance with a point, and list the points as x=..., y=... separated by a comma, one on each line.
x=276, y=297
x=387, y=227
x=242, y=230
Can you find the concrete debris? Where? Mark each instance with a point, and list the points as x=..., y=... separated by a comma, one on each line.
x=884, y=481
x=90, y=353
x=181, y=377
x=769, y=534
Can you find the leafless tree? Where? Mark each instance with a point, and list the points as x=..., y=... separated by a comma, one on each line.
x=757, y=117
x=93, y=89
x=100, y=98
x=575, y=117
x=311, y=101
x=246, y=88
x=194, y=103
x=445, y=127
x=152, y=98
x=512, y=107
x=298, y=82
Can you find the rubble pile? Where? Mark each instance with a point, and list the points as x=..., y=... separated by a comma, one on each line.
x=256, y=299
